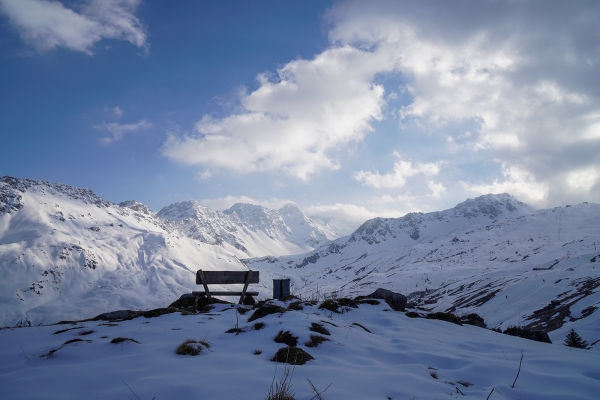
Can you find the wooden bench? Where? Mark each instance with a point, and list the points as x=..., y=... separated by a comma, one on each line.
x=206, y=278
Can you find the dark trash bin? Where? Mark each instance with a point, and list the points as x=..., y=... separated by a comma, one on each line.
x=281, y=288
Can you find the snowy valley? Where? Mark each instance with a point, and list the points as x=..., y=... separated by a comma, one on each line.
x=66, y=254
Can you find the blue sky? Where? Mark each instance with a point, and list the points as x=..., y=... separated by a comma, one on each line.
x=349, y=108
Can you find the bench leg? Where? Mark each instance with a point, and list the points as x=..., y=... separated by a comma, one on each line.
x=245, y=288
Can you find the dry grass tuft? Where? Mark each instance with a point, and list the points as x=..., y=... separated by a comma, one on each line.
x=190, y=347
x=315, y=340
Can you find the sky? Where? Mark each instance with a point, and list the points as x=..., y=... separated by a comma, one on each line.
x=349, y=109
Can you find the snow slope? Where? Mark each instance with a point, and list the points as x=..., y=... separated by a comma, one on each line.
x=67, y=254
x=492, y=255
x=400, y=358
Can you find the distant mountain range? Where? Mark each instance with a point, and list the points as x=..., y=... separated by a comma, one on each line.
x=65, y=253
x=492, y=255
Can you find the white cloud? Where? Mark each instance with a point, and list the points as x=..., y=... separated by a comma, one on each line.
x=437, y=189
x=489, y=64
x=397, y=178
x=118, y=130
x=223, y=203
x=118, y=112
x=48, y=24
x=295, y=121
x=518, y=182
x=348, y=212
x=584, y=180
x=204, y=175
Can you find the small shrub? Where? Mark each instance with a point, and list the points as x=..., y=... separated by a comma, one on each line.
x=292, y=355
x=234, y=330
x=123, y=339
x=433, y=374
x=282, y=388
x=286, y=338
x=83, y=333
x=315, y=327
x=296, y=305
x=258, y=326
x=464, y=383
x=204, y=343
x=190, y=347
x=257, y=352
x=412, y=314
x=330, y=305
x=315, y=340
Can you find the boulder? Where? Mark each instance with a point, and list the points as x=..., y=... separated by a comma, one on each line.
x=396, y=301
x=473, y=319
x=519, y=331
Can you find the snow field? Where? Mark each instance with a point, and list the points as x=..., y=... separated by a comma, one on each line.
x=396, y=360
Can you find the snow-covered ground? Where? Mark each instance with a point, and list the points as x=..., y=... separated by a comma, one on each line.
x=400, y=359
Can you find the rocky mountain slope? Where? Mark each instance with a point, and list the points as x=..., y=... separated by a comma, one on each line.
x=492, y=255
x=251, y=229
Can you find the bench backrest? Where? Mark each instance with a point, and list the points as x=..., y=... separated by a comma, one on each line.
x=226, y=277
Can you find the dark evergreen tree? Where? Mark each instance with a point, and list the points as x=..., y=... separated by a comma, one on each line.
x=574, y=340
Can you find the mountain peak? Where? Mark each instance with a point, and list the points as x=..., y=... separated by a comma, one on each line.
x=136, y=206
x=491, y=205
x=290, y=208
x=190, y=209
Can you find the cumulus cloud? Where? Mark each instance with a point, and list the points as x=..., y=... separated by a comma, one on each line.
x=295, y=121
x=118, y=130
x=525, y=73
x=522, y=78
x=48, y=24
x=518, y=182
x=223, y=203
x=397, y=177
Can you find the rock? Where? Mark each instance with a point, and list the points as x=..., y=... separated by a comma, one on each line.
x=448, y=317
x=249, y=301
x=113, y=315
x=396, y=301
x=519, y=331
x=473, y=319
x=186, y=300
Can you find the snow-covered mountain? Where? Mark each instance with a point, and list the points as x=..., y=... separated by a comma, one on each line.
x=251, y=229
x=492, y=255
x=334, y=228
x=65, y=253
